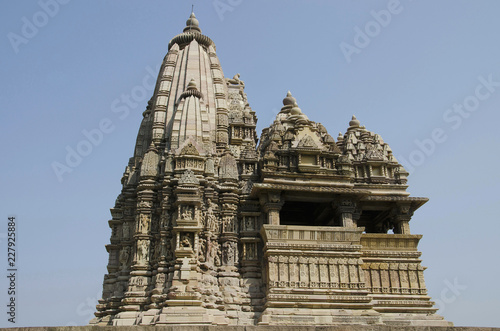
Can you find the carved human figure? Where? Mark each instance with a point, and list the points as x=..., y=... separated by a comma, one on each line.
x=228, y=224
x=187, y=214
x=156, y=251
x=185, y=241
x=203, y=219
x=143, y=251
x=230, y=253
x=125, y=230
x=124, y=256
x=165, y=220
x=251, y=251
x=202, y=250
x=250, y=169
x=163, y=250
x=210, y=218
x=210, y=247
x=143, y=223
x=249, y=223
x=216, y=253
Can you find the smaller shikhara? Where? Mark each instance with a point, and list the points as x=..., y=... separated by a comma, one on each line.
x=212, y=229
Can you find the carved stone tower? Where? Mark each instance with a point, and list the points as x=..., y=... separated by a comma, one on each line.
x=212, y=229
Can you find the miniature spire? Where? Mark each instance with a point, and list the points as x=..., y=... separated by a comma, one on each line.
x=191, y=89
x=192, y=85
x=152, y=147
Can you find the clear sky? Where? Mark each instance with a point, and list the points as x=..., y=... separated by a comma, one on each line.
x=425, y=75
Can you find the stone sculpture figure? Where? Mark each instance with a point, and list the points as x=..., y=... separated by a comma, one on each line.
x=236, y=80
x=210, y=218
x=187, y=214
x=143, y=252
x=202, y=250
x=165, y=220
x=124, y=256
x=186, y=241
x=125, y=230
x=144, y=223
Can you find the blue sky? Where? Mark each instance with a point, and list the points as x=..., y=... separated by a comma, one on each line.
x=425, y=75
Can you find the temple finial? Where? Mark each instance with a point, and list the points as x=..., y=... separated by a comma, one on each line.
x=192, y=24
x=289, y=100
x=354, y=123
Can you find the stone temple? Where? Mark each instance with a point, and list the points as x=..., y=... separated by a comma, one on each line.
x=214, y=226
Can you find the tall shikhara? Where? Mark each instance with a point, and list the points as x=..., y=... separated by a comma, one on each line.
x=212, y=229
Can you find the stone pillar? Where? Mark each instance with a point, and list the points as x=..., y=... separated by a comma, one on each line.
x=400, y=217
x=272, y=203
x=346, y=212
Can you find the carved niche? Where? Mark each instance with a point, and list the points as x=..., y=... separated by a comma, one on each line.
x=228, y=168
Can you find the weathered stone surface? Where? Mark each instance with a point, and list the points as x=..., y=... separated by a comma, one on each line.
x=211, y=229
x=254, y=328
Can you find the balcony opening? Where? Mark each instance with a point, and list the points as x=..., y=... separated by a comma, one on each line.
x=307, y=213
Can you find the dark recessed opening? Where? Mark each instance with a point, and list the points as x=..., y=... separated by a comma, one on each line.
x=307, y=213
x=374, y=221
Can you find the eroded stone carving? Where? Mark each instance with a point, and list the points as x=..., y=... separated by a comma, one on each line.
x=142, y=251
x=124, y=256
x=188, y=177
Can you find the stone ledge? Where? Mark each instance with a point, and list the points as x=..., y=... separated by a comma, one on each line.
x=254, y=328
